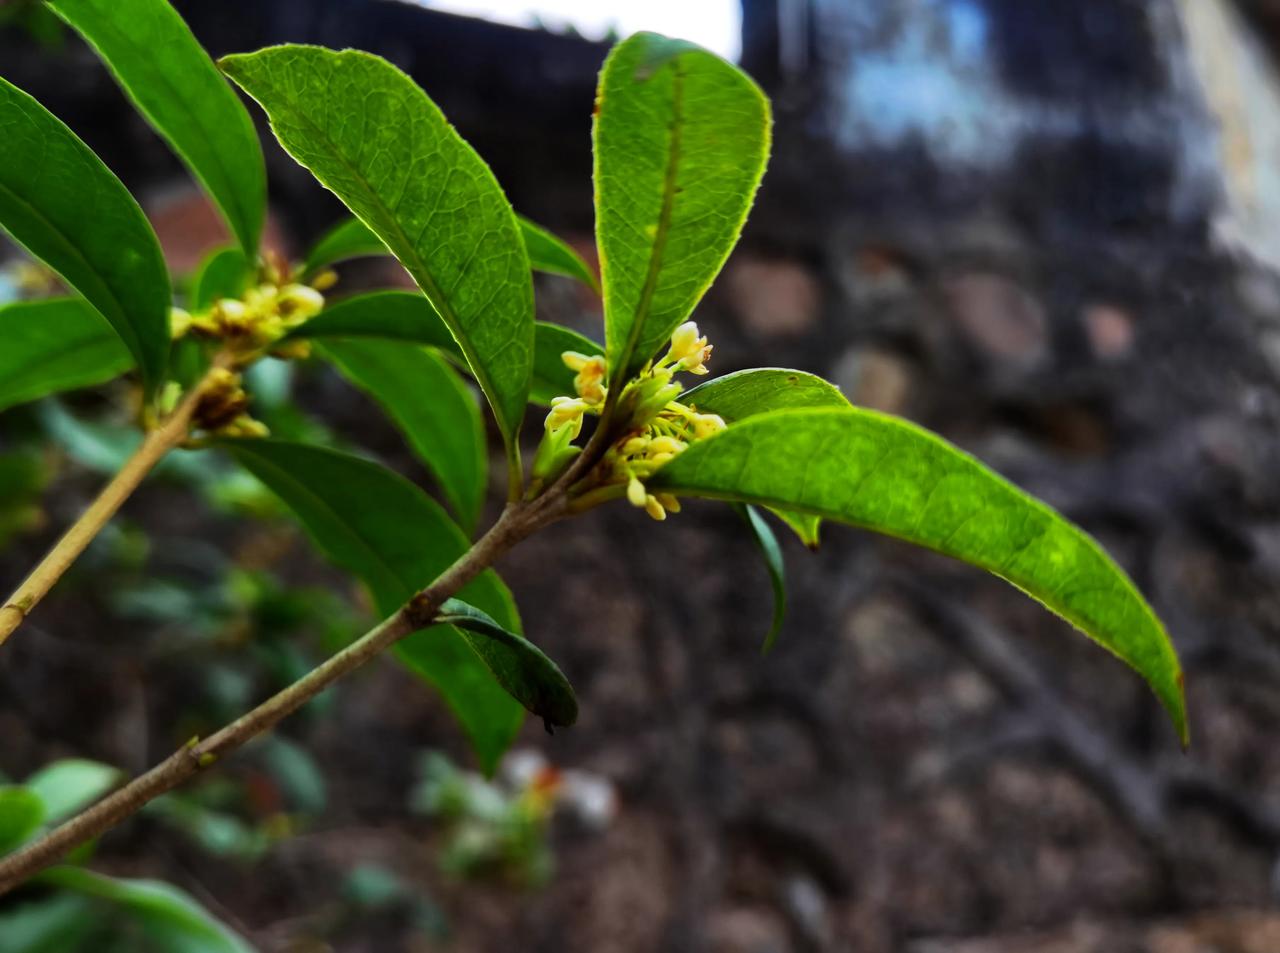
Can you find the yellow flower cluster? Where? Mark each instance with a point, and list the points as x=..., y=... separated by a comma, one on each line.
x=658, y=426
x=260, y=317
x=223, y=407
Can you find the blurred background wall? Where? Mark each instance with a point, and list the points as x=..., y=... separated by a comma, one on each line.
x=1048, y=230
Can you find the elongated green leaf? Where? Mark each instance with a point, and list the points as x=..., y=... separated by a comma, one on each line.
x=681, y=139
x=348, y=239
x=771, y=552
x=382, y=528
x=369, y=134
x=553, y=255
x=169, y=918
x=21, y=814
x=353, y=239
x=432, y=407
x=403, y=316
x=225, y=273
x=744, y=394
x=888, y=475
x=55, y=345
x=64, y=206
x=65, y=787
x=172, y=81
x=519, y=666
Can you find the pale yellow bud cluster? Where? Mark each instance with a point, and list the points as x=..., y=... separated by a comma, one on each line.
x=589, y=383
x=259, y=318
x=657, y=426
x=222, y=409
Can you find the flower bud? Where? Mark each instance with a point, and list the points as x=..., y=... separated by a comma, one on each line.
x=636, y=494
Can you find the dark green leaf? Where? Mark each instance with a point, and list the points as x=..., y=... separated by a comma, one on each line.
x=744, y=394
x=888, y=475
x=349, y=239
x=225, y=273
x=403, y=316
x=553, y=255
x=681, y=139
x=55, y=345
x=767, y=543
x=353, y=239
x=169, y=918
x=57, y=924
x=368, y=133
x=432, y=407
x=385, y=530
x=21, y=814
x=59, y=201
x=172, y=81
x=65, y=787
x=519, y=666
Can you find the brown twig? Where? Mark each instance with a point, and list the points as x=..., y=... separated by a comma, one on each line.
x=171, y=431
x=517, y=522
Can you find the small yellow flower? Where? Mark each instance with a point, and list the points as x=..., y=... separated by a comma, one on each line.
x=325, y=280
x=566, y=411
x=180, y=322
x=704, y=425
x=669, y=502
x=574, y=361
x=297, y=303
x=668, y=446
x=689, y=351
x=654, y=508
x=636, y=494
x=590, y=380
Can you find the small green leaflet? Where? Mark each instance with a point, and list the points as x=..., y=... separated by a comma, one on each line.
x=21, y=814
x=553, y=255
x=404, y=316
x=370, y=135
x=432, y=407
x=352, y=239
x=519, y=666
x=767, y=543
x=55, y=345
x=64, y=206
x=681, y=140
x=887, y=475
x=348, y=239
x=175, y=85
x=224, y=273
x=65, y=787
x=379, y=526
x=169, y=918
x=744, y=394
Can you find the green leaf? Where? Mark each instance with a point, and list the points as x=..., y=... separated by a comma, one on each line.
x=169, y=918
x=519, y=666
x=767, y=543
x=553, y=255
x=65, y=787
x=170, y=78
x=225, y=273
x=744, y=394
x=431, y=406
x=55, y=345
x=353, y=239
x=349, y=239
x=64, y=206
x=404, y=316
x=369, y=134
x=390, y=534
x=887, y=475
x=21, y=814
x=57, y=924
x=681, y=139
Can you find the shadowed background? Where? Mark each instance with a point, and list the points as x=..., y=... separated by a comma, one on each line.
x=1048, y=231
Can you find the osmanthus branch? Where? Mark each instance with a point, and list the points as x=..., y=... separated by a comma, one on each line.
x=168, y=434
x=517, y=522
